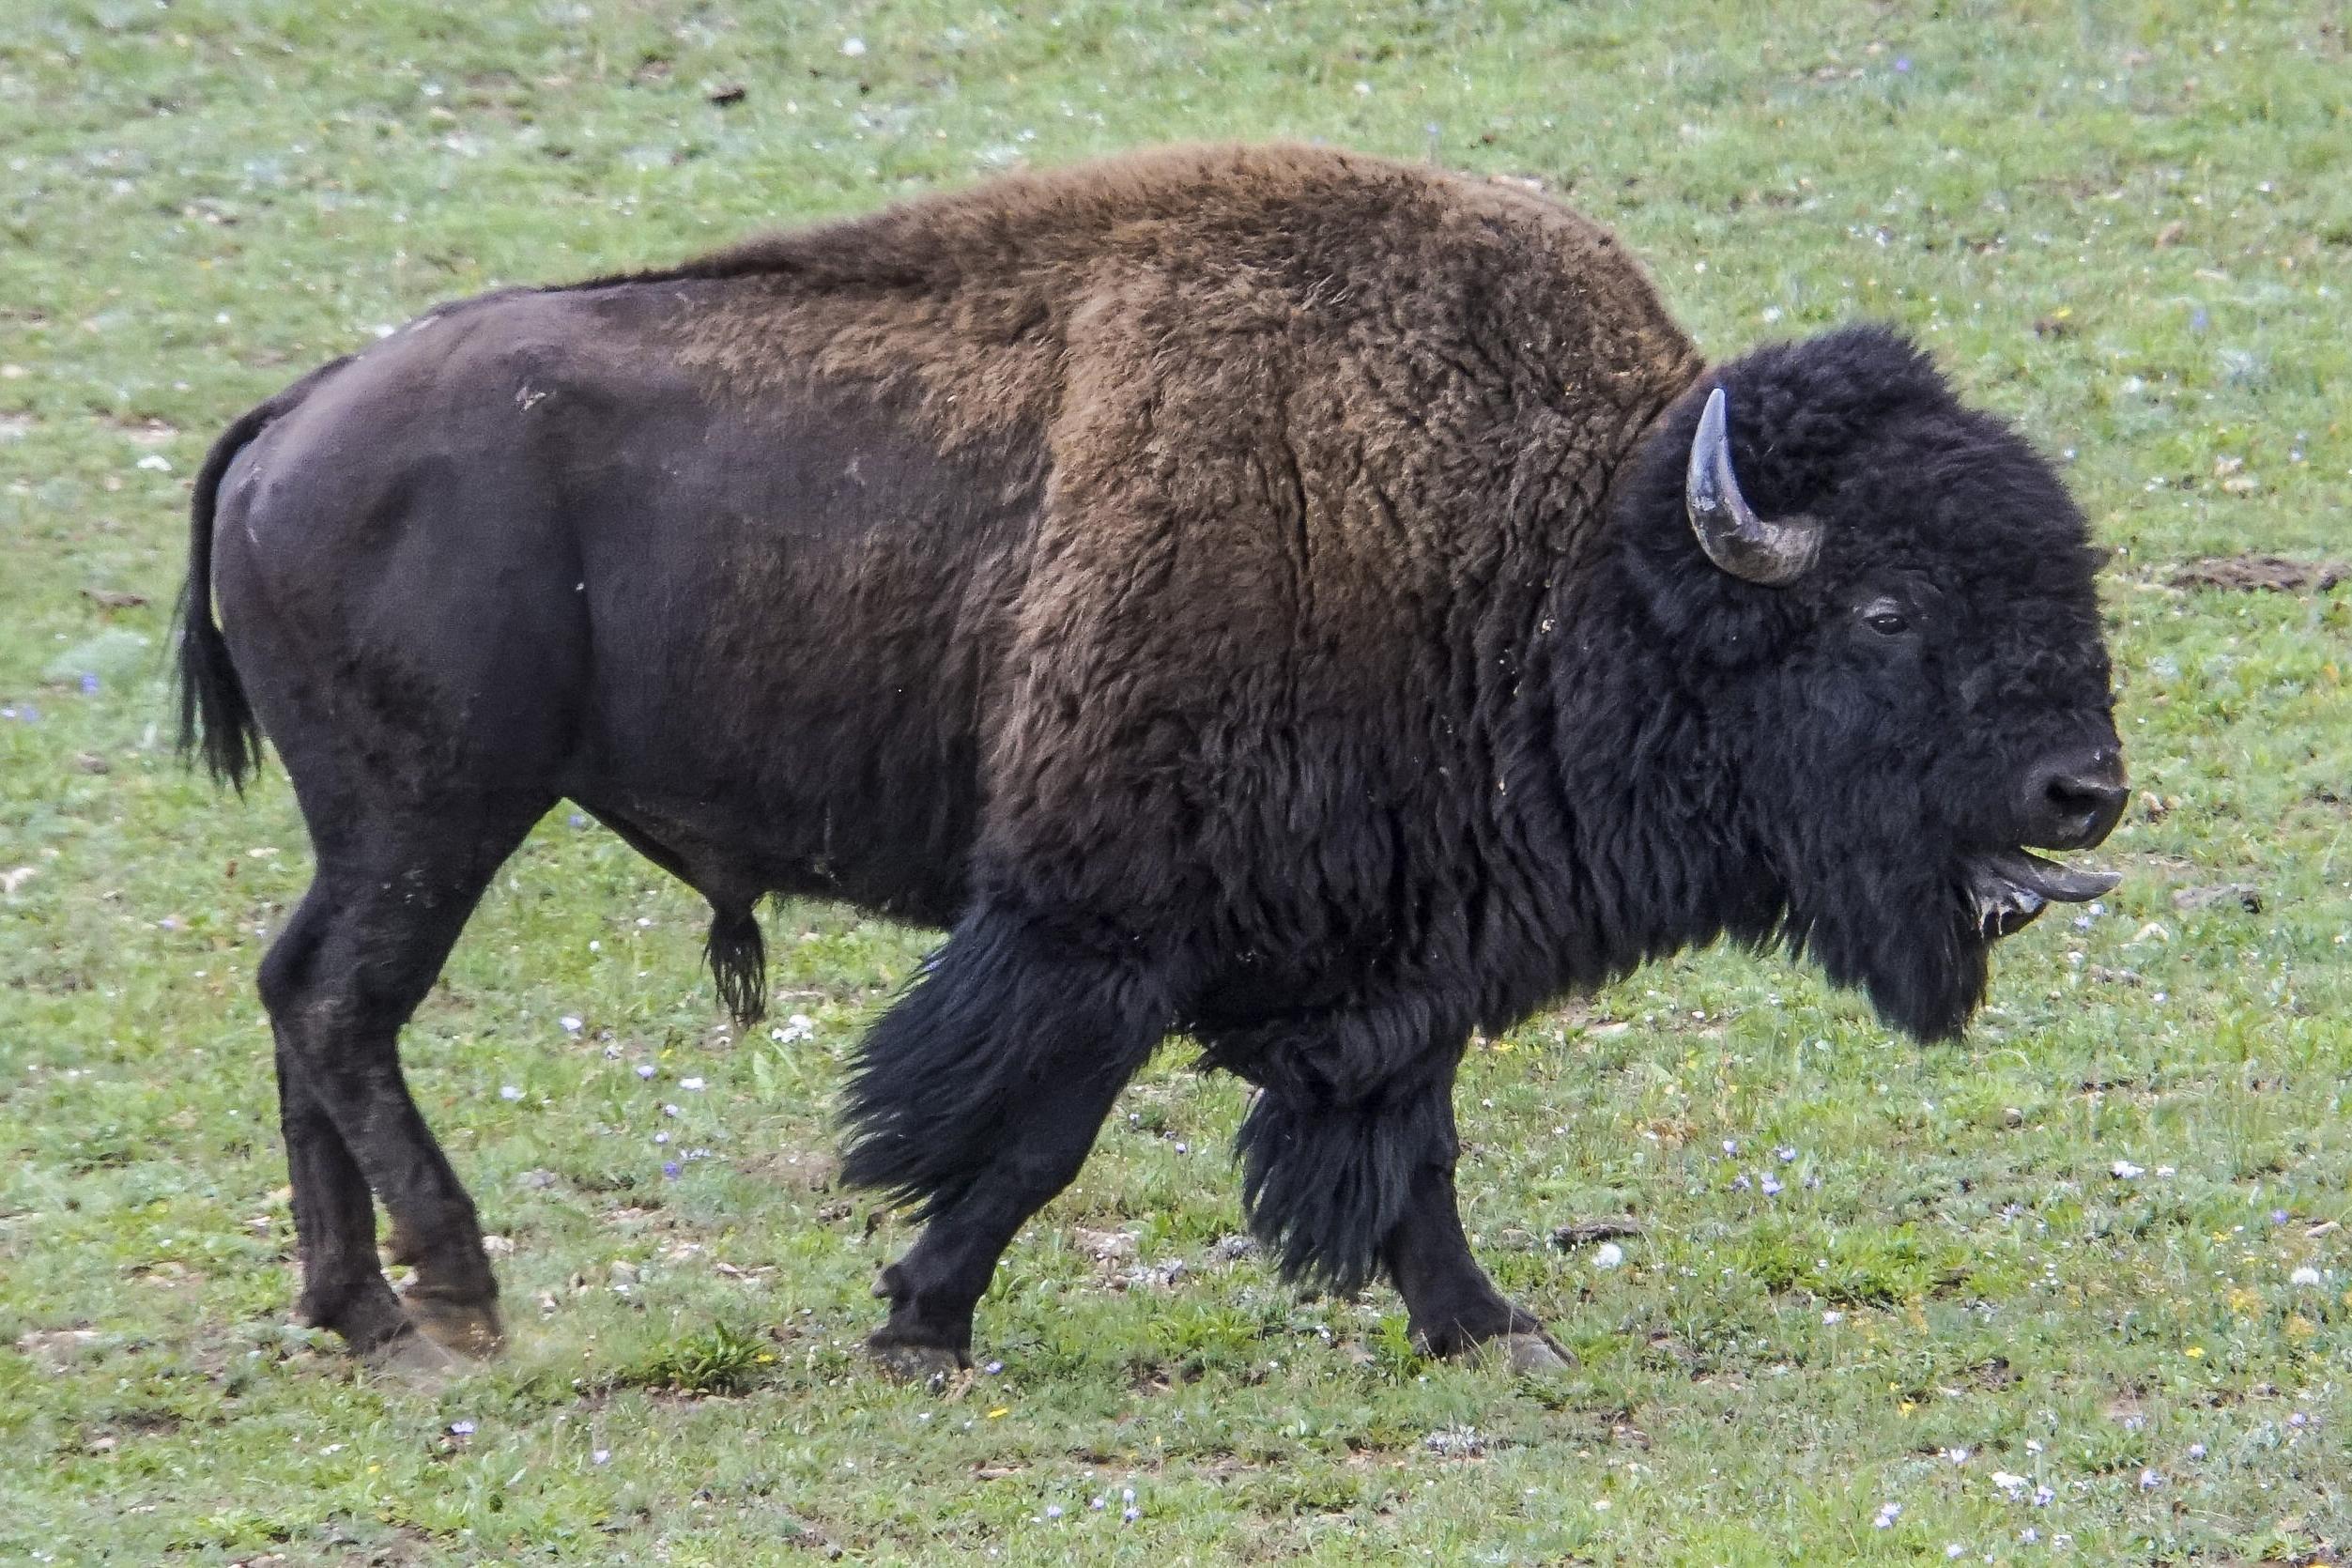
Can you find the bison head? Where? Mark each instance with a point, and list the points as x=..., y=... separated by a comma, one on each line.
x=1879, y=609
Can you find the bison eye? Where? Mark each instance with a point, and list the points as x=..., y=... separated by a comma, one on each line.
x=1885, y=617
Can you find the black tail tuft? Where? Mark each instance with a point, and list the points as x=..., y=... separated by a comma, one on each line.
x=1325, y=1185
x=214, y=715
x=1001, y=1028
x=739, y=962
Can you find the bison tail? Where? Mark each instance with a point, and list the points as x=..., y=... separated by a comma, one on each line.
x=1324, y=1185
x=1002, y=1043
x=215, y=717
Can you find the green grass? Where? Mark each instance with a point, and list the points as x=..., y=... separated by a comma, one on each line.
x=2128, y=228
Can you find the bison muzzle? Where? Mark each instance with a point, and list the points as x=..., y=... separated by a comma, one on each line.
x=1320, y=606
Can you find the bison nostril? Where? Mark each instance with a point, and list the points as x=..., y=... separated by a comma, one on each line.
x=2072, y=797
x=2073, y=809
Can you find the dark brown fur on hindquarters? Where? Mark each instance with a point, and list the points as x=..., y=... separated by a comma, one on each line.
x=1320, y=604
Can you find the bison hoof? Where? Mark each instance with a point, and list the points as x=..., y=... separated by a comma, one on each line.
x=1525, y=1353
x=470, y=1330
x=367, y=1316
x=929, y=1364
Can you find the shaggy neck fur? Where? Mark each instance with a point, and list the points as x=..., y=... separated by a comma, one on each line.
x=1653, y=849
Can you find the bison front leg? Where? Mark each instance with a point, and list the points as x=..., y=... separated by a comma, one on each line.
x=1341, y=1184
x=1453, y=1306
x=934, y=1290
x=978, y=1095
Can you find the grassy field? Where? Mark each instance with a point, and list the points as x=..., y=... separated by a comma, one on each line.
x=2074, y=1291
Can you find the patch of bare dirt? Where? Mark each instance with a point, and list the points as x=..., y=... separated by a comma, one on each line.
x=803, y=1170
x=57, y=1349
x=1583, y=1233
x=2243, y=894
x=148, y=431
x=1995, y=1374
x=2262, y=574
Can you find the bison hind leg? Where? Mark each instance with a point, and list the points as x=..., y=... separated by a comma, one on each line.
x=739, y=961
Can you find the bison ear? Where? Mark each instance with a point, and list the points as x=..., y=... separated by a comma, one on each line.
x=1734, y=537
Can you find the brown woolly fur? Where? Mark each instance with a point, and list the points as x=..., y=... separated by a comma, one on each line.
x=1248, y=590
x=1015, y=305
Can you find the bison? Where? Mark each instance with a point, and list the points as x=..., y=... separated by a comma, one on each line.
x=1319, y=604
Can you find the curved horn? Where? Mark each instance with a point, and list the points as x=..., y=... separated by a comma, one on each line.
x=1728, y=529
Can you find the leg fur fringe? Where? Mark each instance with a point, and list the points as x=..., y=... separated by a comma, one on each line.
x=999, y=1021
x=1325, y=1185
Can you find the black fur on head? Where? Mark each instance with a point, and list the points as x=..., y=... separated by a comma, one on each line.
x=1883, y=717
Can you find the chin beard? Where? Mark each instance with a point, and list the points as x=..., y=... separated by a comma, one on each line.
x=1920, y=946
x=1924, y=963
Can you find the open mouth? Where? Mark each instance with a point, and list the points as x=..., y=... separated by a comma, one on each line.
x=2007, y=889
